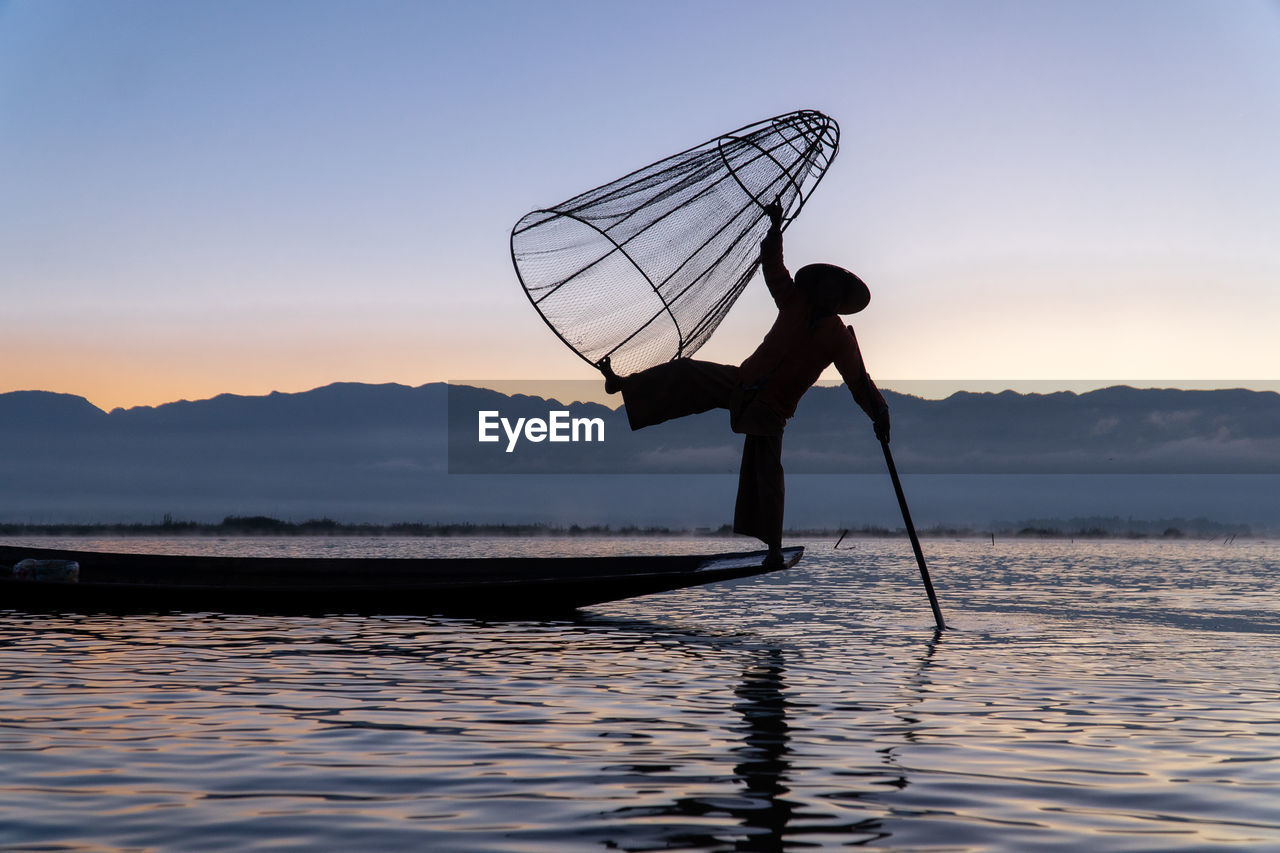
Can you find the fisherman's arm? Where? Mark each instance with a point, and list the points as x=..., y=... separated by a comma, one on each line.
x=776, y=276
x=849, y=362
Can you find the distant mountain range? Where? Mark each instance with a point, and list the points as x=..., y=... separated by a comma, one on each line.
x=1116, y=430
x=396, y=453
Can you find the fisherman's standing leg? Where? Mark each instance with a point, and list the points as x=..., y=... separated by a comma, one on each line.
x=675, y=389
x=761, y=492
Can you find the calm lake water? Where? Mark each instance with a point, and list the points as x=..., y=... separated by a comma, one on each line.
x=1090, y=695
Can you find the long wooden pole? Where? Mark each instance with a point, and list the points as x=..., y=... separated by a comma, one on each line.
x=915, y=540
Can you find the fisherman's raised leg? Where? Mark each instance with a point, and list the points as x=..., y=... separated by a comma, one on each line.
x=673, y=389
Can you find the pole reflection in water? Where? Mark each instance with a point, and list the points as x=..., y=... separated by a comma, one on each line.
x=771, y=820
x=756, y=807
x=917, y=689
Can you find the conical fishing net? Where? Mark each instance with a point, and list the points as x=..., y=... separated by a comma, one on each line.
x=643, y=269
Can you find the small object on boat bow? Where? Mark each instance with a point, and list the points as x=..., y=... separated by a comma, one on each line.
x=47, y=571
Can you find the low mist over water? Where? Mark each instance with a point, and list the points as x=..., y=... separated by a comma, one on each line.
x=387, y=453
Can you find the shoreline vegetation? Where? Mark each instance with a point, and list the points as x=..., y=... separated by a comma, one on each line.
x=262, y=525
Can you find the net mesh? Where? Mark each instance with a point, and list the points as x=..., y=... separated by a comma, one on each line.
x=644, y=268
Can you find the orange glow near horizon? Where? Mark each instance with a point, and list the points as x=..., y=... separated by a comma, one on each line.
x=150, y=377
x=126, y=380
x=1037, y=339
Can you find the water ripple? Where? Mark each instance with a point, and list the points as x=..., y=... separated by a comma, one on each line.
x=1117, y=696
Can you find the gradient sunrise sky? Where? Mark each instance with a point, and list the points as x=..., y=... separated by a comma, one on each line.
x=206, y=197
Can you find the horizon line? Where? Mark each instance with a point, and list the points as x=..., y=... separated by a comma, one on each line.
x=929, y=389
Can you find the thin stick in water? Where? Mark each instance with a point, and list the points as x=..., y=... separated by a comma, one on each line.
x=915, y=540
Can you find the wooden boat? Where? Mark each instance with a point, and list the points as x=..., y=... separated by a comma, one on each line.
x=469, y=586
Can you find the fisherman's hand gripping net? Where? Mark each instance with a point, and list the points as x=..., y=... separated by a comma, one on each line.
x=643, y=269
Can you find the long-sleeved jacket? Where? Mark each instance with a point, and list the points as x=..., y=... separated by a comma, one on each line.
x=801, y=344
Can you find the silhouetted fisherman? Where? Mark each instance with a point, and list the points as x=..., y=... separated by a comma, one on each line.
x=762, y=393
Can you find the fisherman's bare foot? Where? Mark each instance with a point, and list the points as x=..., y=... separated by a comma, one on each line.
x=612, y=381
x=773, y=560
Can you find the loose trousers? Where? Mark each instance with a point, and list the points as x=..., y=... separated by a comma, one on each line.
x=688, y=387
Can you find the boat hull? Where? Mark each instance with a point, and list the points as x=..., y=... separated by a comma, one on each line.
x=477, y=587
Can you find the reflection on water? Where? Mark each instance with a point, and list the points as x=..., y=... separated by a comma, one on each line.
x=764, y=766
x=1117, y=696
x=755, y=798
